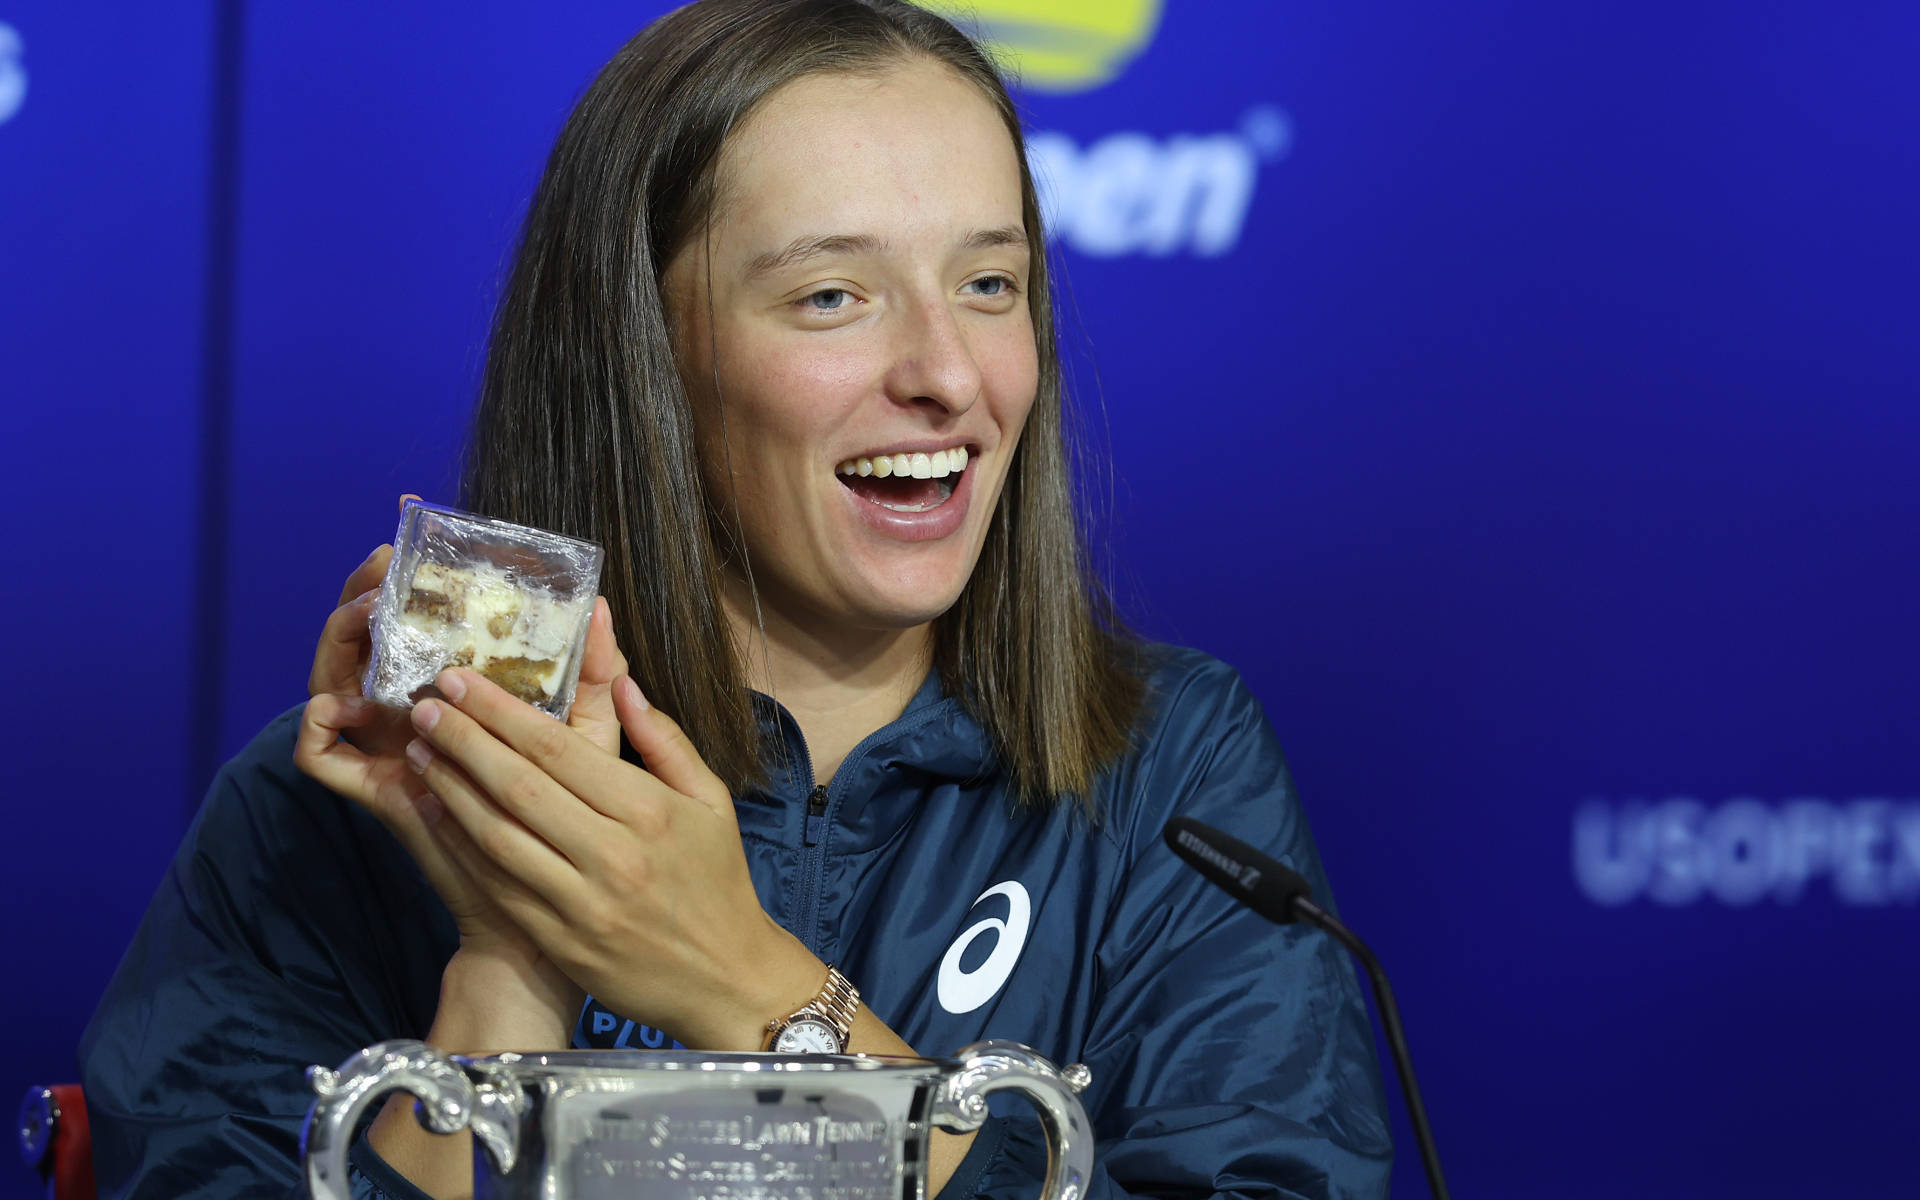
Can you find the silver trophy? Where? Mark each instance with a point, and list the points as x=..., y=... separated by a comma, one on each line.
x=684, y=1125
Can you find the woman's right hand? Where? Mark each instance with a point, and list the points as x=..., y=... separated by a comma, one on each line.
x=358, y=748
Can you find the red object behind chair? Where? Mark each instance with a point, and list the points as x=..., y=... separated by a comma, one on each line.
x=56, y=1142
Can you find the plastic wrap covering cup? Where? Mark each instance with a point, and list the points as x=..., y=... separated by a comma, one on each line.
x=509, y=602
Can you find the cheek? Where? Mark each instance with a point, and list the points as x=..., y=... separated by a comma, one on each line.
x=792, y=389
x=1012, y=369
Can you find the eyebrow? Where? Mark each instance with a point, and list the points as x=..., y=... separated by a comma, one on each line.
x=988, y=239
x=811, y=246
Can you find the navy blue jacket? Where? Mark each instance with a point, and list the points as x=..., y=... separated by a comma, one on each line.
x=1228, y=1056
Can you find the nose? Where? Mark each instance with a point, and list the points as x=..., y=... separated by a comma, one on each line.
x=933, y=362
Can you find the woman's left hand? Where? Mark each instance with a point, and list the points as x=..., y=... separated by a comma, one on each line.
x=634, y=881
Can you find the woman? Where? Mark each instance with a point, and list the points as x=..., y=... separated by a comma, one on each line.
x=779, y=337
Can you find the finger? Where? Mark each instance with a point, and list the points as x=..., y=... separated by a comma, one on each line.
x=375, y=782
x=666, y=750
x=522, y=905
x=503, y=849
x=517, y=813
x=514, y=739
x=436, y=844
x=338, y=660
x=396, y=797
x=368, y=574
x=602, y=662
x=319, y=751
x=592, y=714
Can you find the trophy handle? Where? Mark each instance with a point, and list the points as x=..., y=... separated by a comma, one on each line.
x=446, y=1096
x=960, y=1106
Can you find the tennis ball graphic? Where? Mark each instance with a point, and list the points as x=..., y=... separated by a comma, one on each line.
x=1058, y=45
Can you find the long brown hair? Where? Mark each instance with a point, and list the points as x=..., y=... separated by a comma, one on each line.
x=584, y=425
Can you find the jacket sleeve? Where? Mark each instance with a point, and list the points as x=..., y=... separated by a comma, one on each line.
x=1230, y=1056
x=289, y=930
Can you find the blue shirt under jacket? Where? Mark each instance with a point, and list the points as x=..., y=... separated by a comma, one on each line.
x=1228, y=1056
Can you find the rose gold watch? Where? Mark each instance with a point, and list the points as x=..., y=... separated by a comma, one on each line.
x=822, y=1025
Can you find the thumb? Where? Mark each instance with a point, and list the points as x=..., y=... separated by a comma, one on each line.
x=665, y=749
x=601, y=663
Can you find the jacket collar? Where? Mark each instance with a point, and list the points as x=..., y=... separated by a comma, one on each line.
x=934, y=740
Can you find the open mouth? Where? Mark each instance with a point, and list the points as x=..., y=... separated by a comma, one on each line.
x=905, y=483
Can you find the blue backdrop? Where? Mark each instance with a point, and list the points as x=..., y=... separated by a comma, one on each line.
x=1521, y=395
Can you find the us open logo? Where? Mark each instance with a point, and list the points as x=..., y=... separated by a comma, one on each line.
x=1129, y=193
x=1126, y=192
x=1058, y=45
x=1679, y=851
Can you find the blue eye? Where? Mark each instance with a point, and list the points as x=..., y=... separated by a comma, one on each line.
x=826, y=300
x=991, y=285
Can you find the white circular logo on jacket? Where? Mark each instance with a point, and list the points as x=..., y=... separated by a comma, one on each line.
x=13, y=73
x=963, y=991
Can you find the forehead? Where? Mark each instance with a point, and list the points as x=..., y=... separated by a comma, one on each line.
x=908, y=153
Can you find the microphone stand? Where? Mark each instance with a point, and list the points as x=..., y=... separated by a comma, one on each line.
x=1282, y=895
x=1396, y=1036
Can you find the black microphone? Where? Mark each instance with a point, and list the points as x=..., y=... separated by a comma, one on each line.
x=1283, y=896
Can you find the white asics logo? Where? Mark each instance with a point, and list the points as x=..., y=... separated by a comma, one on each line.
x=964, y=991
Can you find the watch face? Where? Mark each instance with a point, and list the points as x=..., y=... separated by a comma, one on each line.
x=807, y=1036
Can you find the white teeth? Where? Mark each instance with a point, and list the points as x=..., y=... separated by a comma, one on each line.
x=937, y=464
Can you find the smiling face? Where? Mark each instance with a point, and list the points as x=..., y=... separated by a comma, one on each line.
x=868, y=333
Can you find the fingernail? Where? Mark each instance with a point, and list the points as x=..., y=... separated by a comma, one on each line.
x=430, y=808
x=451, y=685
x=419, y=754
x=635, y=696
x=425, y=716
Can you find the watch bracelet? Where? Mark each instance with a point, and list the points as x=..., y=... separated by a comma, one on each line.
x=836, y=1003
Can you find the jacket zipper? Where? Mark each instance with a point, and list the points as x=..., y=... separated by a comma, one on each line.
x=819, y=801
x=816, y=815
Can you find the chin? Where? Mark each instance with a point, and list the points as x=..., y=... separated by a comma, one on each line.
x=903, y=594
x=894, y=606
x=903, y=613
